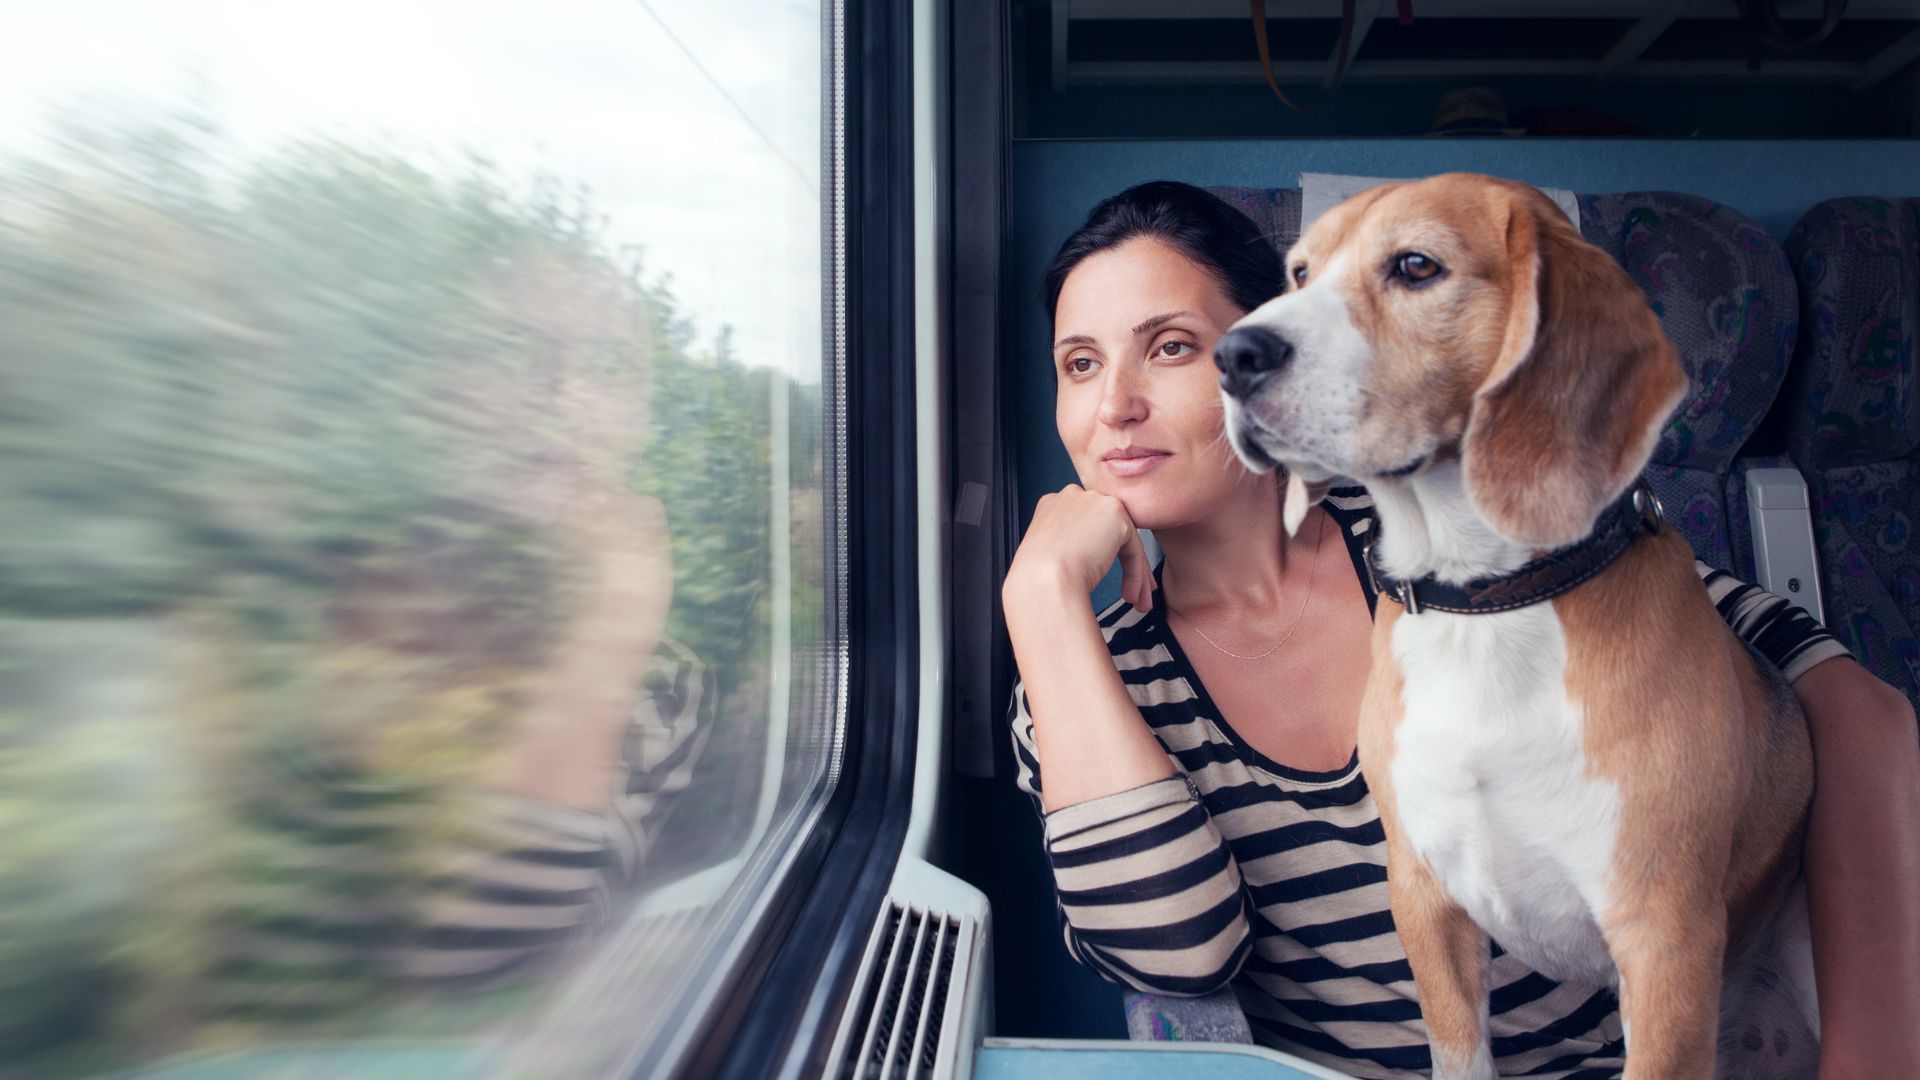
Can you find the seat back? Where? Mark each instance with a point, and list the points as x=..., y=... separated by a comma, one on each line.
x=1850, y=415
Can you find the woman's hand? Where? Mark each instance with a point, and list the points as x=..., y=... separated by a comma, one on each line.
x=1074, y=537
x=1089, y=736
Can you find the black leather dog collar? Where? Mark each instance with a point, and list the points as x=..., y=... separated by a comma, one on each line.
x=1540, y=580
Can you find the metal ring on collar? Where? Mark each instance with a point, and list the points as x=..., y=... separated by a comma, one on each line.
x=1652, y=512
x=1402, y=596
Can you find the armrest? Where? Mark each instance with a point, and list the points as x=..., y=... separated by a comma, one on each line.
x=1785, y=559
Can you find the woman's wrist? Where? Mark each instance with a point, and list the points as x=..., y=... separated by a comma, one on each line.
x=1041, y=592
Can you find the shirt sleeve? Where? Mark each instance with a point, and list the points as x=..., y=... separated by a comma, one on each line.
x=1778, y=630
x=1148, y=894
x=523, y=876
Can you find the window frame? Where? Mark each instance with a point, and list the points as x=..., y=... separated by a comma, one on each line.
x=780, y=1014
x=982, y=534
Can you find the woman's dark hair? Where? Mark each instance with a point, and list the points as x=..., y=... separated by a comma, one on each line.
x=1215, y=235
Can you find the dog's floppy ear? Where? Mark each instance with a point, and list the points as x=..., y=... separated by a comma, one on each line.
x=1572, y=408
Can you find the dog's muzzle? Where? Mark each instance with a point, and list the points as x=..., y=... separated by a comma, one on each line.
x=1247, y=356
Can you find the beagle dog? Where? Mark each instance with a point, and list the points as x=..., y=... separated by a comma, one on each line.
x=1589, y=767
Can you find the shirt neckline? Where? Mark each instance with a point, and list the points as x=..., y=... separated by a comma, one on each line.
x=1163, y=633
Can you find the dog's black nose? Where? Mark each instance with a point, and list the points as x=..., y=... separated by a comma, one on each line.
x=1248, y=355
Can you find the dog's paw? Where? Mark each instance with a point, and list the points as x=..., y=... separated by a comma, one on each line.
x=1475, y=1066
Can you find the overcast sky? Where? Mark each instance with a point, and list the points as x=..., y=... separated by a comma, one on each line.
x=721, y=188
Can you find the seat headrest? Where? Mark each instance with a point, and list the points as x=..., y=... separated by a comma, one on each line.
x=1725, y=295
x=1854, y=399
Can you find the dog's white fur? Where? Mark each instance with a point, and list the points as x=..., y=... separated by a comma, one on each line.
x=1492, y=784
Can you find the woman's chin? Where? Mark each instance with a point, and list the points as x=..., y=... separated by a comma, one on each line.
x=1151, y=509
x=1159, y=500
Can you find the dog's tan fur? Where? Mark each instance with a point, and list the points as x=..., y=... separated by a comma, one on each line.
x=1711, y=778
x=1555, y=377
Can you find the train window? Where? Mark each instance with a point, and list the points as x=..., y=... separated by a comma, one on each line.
x=420, y=614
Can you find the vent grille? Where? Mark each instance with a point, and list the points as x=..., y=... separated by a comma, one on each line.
x=903, y=1008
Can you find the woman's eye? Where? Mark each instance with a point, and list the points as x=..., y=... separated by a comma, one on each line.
x=1416, y=267
x=1300, y=277
x=1172, y=350
x=1080, y=365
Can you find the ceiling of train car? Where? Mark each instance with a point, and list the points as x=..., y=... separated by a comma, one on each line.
x=1676, y=68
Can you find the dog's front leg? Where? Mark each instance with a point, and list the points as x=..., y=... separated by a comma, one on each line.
x=1670, y=990
x=1449, y=955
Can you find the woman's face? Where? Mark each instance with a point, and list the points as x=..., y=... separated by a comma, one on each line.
x=1138, y=402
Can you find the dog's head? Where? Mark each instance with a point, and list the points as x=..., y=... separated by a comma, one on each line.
x=1458, y=316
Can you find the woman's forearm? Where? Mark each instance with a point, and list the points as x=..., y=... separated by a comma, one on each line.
x=1863, y=871
x=1090, y=738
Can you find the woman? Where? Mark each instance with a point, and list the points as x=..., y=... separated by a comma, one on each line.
x=1205, y=814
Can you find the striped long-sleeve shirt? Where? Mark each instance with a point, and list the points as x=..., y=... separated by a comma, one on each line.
x=1240, y=870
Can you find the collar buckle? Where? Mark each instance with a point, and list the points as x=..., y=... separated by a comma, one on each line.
x=1652, y=512
x=1404, y=594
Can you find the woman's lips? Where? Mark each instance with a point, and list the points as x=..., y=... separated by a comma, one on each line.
x=1134, y=462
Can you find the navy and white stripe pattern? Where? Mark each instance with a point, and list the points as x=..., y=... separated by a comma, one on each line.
x=505, y=884
x=534, y=875
x=1241, y=870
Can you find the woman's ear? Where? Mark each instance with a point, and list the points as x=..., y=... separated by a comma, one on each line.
x=1574, y=404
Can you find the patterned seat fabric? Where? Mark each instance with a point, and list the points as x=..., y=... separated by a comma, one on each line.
x=1724, y=293
x=1275, y=210
x=1216, y=1017
x=1851, y=416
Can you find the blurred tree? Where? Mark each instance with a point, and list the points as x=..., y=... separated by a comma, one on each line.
x=296, y=450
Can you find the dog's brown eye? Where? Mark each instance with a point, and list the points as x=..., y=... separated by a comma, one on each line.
x=1300, y=277
x=1416, y=267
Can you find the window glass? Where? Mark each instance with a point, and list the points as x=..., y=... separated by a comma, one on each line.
x=419, y=606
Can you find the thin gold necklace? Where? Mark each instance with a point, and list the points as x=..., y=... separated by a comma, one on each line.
x=1318, y=537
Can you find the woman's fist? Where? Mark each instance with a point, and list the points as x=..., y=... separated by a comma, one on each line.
x=1074, y=537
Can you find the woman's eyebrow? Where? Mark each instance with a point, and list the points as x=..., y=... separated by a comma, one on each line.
x=1158, y=320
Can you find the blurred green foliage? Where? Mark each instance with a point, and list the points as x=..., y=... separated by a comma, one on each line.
x=286, y=443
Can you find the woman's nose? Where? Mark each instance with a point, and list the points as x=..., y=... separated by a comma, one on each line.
x=1120, y=399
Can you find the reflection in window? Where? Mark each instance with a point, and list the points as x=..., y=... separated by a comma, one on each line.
x=416, y=621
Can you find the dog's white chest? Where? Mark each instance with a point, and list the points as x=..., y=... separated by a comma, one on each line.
x=1492, y=785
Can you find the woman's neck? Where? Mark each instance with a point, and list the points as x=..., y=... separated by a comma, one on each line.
x=1239, y=556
